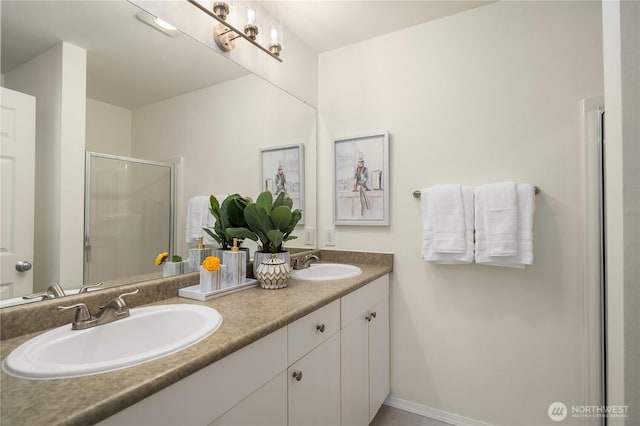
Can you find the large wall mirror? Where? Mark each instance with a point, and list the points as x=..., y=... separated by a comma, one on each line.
x=132, y=121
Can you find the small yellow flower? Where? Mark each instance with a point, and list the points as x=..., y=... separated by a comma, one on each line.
x=161, y=258
x=211, y=263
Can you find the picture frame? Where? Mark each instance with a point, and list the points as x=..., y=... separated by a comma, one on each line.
x=361, y=180
x=282, y=169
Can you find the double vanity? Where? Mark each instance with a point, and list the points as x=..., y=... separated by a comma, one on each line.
x=316, y=352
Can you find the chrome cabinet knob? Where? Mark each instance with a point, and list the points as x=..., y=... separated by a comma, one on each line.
x=373, y=314
x=320, y=328
x=23, y=266
x=370, y=316
x=297, y=375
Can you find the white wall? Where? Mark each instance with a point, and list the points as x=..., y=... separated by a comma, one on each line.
x=218, y=132
x=621, y=32
x=487, y=95
x=57, y=79
x=108, y=128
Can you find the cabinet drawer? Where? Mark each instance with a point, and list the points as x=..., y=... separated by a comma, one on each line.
x=311, y=330
x=360, y=301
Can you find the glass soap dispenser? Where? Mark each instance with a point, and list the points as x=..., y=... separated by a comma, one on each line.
x=198, y=255
x=236, y=263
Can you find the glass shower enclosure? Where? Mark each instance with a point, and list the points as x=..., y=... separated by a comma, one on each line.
x=129, y=211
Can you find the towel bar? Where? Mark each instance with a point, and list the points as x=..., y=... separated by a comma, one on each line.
x=417, y=193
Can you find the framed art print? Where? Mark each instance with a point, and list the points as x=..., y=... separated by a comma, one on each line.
x=282, y=170
x=361, y=180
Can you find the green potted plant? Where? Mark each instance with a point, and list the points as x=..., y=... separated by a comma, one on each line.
x=270, y=223
x=228, y=214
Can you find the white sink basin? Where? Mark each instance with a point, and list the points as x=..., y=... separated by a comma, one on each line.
x=326, y=271
x=147, y=334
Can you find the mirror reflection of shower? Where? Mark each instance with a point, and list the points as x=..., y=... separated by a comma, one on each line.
x=129, y=217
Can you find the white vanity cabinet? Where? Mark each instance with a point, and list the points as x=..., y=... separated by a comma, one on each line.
x=314, y=372
x=364, y=352
x=204, y=396
x=265, y=407
x=326, y=368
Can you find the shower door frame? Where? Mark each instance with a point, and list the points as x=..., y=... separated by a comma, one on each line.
x=595, y=309
x=87, y=203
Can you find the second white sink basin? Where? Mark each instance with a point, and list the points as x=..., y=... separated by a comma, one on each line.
x=326, y=271
x=147, y=334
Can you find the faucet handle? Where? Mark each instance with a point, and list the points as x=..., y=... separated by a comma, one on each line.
x=131, y=293
x=119, y=302
x=45, y=295
x=85, y=288
x=82, y=313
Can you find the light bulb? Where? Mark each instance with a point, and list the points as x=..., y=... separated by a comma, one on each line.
x=274, y=35
x=251, y=16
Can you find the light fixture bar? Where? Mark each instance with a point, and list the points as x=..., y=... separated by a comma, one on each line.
x=233, y=29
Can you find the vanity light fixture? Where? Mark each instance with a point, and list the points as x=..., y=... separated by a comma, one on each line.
x=159, y=24
x=251, y=29
x=226, y=34
x=274, y=46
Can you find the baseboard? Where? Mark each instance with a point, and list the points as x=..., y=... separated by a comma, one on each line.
x=432, y=413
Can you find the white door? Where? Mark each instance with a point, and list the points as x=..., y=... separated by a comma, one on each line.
x=17, y=180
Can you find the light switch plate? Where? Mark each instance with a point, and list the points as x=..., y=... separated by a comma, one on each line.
x=309, y=236
x=330, y=237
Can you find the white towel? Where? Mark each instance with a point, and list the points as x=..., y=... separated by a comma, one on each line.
x=525, y=201
x=447, y=239
x=499, y=204
x=198, y=217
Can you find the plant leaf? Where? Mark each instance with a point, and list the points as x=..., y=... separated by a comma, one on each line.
x=265, y=201
x=258, y=221
x=280, y=218
x=213, y=235
x=242, y=233
x=276, y=238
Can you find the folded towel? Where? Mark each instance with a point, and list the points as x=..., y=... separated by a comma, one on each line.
x=525, y=201
x=498, y=204
x=198, y=217
x=447, y=238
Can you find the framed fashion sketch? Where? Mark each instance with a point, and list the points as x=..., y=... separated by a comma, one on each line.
x=282, y=170
x=361, y=180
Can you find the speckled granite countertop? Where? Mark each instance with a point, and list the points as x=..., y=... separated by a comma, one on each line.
x=247, y=316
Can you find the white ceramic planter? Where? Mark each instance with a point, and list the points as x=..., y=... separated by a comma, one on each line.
x=259, y=257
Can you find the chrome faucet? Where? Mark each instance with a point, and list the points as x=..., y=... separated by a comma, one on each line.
x=55, y=290
x=114, y=310
x=304, y=264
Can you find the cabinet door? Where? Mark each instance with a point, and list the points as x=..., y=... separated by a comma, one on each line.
x=315, y=398
x=378, y=357
x=355, y=372
x=266, y=407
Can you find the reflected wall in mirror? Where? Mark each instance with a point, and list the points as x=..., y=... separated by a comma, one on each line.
x=131, y=90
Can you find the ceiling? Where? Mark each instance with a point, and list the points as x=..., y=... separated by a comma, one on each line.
x=324, y=25
x=158, y=67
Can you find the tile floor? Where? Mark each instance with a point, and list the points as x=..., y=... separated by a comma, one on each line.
x=389, y=416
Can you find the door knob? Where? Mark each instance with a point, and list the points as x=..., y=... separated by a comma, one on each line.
x=23, y=266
